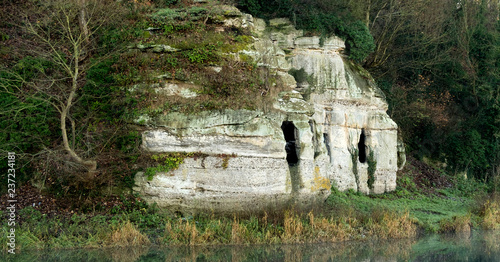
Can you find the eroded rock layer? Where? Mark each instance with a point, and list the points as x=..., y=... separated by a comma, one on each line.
x=330, y=130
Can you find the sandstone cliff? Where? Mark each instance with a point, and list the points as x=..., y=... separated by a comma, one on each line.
x=330, y=129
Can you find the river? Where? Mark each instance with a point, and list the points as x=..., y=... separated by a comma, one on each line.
x=478, y=246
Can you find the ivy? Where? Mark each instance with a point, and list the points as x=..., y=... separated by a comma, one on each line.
x=372, y=167
x=167, y=162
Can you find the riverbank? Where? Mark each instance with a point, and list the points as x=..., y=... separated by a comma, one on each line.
x=424, y=202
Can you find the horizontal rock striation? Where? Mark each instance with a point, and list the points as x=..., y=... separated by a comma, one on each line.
x=330, y=130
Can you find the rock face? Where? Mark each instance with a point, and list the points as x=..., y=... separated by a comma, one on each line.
x=330, y=130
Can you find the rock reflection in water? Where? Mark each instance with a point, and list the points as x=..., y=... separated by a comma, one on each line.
x=478, y=246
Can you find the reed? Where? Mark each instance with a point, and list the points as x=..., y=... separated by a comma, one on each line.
x=490, y=212
x=456, y=224
x=127, y=235
x=293, y=228
x=181, y=232
x=391, y=225
x=238, y=232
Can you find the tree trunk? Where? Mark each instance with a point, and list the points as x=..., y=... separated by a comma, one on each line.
x=91, y=165
x=367, y=14
x=83, y=21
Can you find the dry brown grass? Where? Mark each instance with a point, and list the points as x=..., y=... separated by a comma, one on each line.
x=329, y=230
x=293, y=227
x=216, y=231
x=238, y=232
x=399, y=226
x=490, y=212
x=182, y=232
x=457, y=224
x=128, y=235
x=382, y=224
x=391, y=225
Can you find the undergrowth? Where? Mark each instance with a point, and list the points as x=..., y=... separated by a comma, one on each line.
x=204, y=63
x=344, y=216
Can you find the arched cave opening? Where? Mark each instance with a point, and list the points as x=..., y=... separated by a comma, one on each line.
x=362, y=147
x=290, y=131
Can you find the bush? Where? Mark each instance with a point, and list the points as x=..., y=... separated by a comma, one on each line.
x=26, y=125
x=27, y=120
x=203, y=54
x=100, y=95
x=359, y=41
x=467, y=151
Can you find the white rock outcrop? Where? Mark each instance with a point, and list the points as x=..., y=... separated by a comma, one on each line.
x=331, y=130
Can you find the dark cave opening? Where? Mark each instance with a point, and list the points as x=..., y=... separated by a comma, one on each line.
x=290, y=134
x=326, y=140
x=362, y=147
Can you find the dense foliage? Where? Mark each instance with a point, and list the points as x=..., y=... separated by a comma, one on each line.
x=323, y=17
x=36, y=92
x=439, y=64
x=39, y=94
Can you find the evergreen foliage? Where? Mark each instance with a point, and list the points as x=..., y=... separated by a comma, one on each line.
x=28, y=124
x=441, y=75
x=323, y=17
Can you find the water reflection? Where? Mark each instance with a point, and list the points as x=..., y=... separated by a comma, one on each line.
x=483, y=246
x=478, y=246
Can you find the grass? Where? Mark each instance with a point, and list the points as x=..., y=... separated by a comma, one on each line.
x=345, y=216
x=128, y=235
x=293, y=227
x=490, y=211
x=364, y=207
x=411, y=210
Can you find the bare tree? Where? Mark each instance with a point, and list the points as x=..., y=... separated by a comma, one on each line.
x=62, y=33
x=389, y=20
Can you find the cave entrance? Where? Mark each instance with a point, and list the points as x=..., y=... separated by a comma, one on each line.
x=362, y=147
x=326, y=140
x=290, y=133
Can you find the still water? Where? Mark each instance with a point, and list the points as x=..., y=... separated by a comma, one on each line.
x=478, y=246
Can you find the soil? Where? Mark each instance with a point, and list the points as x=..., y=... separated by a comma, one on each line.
x=426, y=178
x=29, y=196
